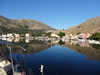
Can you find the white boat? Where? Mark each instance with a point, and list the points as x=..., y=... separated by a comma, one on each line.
x=5, y=66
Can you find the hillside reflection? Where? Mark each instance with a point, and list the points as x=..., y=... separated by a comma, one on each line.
x=90, y=50
x=35, y=46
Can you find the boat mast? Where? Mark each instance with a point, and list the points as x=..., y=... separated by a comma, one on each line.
x=11, y=60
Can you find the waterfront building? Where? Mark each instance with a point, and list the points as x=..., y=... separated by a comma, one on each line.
x=54, y=35
x=17, y=35
x=84, y=35
x=10, y=35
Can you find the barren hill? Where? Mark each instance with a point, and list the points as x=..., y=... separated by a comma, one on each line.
x=23, y=23
x=91, y=25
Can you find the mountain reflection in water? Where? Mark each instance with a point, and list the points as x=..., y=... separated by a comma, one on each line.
x=59, y=57
x=90, y=50
x=34, y=46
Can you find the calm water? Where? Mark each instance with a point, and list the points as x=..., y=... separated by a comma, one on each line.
x=64, y=59
x=67, y=59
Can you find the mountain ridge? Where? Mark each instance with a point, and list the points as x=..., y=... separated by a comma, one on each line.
x=91, y=25
x=23, y=23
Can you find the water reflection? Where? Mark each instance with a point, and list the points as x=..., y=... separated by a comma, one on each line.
x=61, y=57
x=34, y=46
x=90, y=50
x=61, y=42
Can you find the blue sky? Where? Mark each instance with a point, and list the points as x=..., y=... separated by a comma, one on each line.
x=60, y=14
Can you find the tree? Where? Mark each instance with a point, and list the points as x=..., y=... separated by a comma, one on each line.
x=48, y=34
x=61, y=34
x=95, y=36
x=78, y=33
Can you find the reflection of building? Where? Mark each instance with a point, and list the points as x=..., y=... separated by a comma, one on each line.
x=54, y=42
x=10, y=39
x=72, y=42
x=84, y=44
x=27, y=40
x=3, y=36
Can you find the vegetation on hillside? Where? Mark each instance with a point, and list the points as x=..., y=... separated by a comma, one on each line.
x=61, y=34
x=23, y=23
x=48, y=34
x=5, y=30
x=95, y=36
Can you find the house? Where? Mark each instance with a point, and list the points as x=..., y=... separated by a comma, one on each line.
x=84, y=35
x=16, y=35
x=73, y=36
x=3, y=36
x=54, y=35
x=27, y=35
x=10, y=35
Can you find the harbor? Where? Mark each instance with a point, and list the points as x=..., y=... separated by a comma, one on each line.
x=14, y=56
x=49, y=37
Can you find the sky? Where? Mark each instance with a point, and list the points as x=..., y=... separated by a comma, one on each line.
x=59, y=14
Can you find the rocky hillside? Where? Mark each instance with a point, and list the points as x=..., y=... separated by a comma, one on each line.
x=23, y=23
x=91, y=25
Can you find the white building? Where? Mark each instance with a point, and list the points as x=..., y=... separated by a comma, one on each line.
x=4, y=36
x=16, y=35
x=54, y=35
x=10, y=35
x=27, y=35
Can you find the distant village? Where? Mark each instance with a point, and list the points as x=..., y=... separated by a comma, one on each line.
x=52, y=36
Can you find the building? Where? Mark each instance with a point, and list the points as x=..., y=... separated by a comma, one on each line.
x=54, y=35
x=84, y=35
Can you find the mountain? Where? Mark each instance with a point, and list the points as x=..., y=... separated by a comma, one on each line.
x=91, y=25
x=23, y=24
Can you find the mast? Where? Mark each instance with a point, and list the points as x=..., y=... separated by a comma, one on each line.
x=11, y=60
